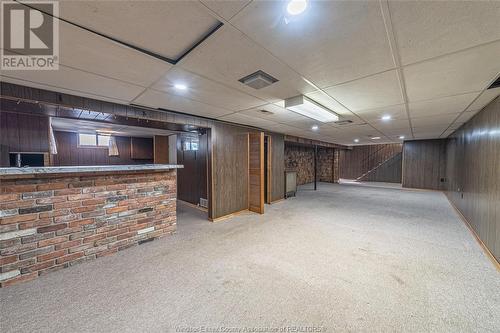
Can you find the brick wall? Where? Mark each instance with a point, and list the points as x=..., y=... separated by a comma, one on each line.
x=52, y=223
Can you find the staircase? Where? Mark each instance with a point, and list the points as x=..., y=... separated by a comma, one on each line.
x=381, y=158
x=388, y=170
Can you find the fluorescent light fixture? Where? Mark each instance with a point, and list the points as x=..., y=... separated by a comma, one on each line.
x=309, y=108
x=314, y=127
x=356, y=140
x=295, y=7
x=376, y=138
x=180, y=86
x=401, y=137
x=386, y=117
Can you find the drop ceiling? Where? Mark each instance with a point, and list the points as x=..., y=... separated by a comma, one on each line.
x=426, y=64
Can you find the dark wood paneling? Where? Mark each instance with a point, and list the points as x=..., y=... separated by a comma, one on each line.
x=68, y=152
x=192, y=179
x=389, y=172
x=142, y=148
x=256, y=172
x=359, y=160
x=160, y=149
x=277, y=166
x=424, y=164
x=230, y=169
x=22, y=133
x=473, y=173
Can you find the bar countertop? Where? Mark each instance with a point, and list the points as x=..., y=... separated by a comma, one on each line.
x=32, y=172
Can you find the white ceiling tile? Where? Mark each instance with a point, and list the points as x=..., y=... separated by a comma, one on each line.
x=484, y=99
x=467, y=71
x=434, y=121
x=452, y=104
x=395, y=111
x=426, y=29
x=369, y=93
x=330, y=43
x=466, y=116
x=89, y=52
x=156, y=99
x=383, y=126
x=205, y=91
x=447, y=133
x=168, y=28
x=229, y=55
x=79, y=82
x=225, y=8
x=239, y=118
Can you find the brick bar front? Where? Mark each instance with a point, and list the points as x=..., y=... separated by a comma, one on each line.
x=49, y=222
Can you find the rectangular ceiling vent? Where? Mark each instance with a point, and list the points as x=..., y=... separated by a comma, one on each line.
x=266, y=112
x=343, y=122
x=258, y=80
x=495, y=84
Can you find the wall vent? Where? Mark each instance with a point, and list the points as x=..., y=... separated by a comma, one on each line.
x=258, y=80
x=495, y=84
x=203, y=203
x=343, y=122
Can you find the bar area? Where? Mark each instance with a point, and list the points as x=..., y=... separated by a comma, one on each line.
x=55, y=217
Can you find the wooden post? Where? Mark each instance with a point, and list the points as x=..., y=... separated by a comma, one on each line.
x=315, y=166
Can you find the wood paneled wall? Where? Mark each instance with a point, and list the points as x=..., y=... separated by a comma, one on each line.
x=229, y=169
x=256, y=172
x=424, y=164
x=68, y=152
x=473, y=173
x=389, y=172
x=22, y=133
x=192, y=179
x=277, y=166
x=360, y=159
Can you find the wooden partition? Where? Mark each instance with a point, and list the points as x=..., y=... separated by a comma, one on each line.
x=256, y=172
x=160, y=143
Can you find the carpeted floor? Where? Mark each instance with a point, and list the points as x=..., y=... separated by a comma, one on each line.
x=343, y=258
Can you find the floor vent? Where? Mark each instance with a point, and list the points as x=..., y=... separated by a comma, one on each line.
x=258, y=80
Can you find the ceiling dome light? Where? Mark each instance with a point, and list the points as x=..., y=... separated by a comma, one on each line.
x=314, y=127
x=180, y=86
x=295, y=7
x=356, y=140
x=386, y=117
x=401, y=137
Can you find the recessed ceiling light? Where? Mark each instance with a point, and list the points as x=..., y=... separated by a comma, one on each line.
x=386, y=117
x=401, y=137
x=376, y=138
x=180, y=86
x=356, y=140
x=295, y=7
x=314, y=127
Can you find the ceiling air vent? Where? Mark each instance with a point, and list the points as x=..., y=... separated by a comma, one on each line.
x=495, y=84
x=266, y=112
x=258, y=80
x=343, y=122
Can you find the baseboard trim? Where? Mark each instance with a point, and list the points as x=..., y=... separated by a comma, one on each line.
x=476, y=236
x=224, y=217
x=276, y=201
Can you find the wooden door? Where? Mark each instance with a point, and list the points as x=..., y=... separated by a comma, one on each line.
x=256, y=172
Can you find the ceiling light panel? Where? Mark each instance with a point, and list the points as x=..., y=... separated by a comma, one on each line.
x=307, y=107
